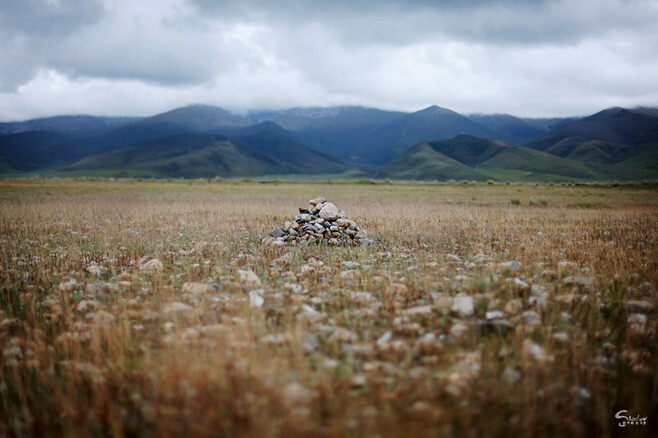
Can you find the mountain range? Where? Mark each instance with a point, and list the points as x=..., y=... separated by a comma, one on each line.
x=431, y=144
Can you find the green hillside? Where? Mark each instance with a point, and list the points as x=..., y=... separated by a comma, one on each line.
x=270, y=139
x=423, y=162
x=516, y=158
x=613, y=125
x=643, y=164
x=590, y=151
x=28, y=151
x=202, y=155
x=472, y=158
x=6, y=168
x=514, y=129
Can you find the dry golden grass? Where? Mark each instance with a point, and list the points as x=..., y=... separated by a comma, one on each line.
x=92, y=345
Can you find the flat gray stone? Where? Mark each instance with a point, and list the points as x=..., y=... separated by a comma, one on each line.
x=329, y=212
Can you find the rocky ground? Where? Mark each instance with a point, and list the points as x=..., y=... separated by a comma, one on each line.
x=168, y=318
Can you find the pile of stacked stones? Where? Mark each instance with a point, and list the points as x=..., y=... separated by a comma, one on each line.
x=320, y=223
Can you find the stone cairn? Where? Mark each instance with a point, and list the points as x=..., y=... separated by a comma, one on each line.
x=321, y=223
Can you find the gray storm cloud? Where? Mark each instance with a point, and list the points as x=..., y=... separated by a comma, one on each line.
x=527, y=57
x=29, y=30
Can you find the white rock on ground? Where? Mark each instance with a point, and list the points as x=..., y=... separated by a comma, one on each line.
x=463, y=306
x=175, y=307
x=196, y=288
x=154, y=265
x=248, y=277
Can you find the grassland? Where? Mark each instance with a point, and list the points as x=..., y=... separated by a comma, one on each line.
x=373, y=341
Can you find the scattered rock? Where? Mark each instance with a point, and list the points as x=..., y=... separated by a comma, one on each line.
x=349, y=275
x=309, y=345
x=539, y=302
x=494, y=314
x=385, y=338
x=566, y=298
x=639, y=306
x=248, y=277
x=395, y=347
x=341, y=334
x=349, y=265
x=255, y=300
x=396, y=289
x=453, y=259
x=197, y=288
x=358, y=381
x=189, y=334
x=510, y=375
x=637, y=324
x=274, y=339
x=510, y=267
x=418, y=310
x=443, y=301
x=152, y=266
x=214, y=330
x=362, y=297
x=548, y=274
x=458, y=330
x=103, y=318
x=580, y=280
x=513, y=307
x=125, y=276
x=561, y=338
x=429, y=344
x=467, y=367
x=536, y=352
x=312, y=315
x=637, y=319
x=68, y=286
x=481, y=258
x=296, y=395
x=424, y=410
x=463, y=306
x=86, y=305
x=520, y=283
x=101, y=288
x=538, y=290
x=530, y=318
x=175, y=307
x=96, y=269
x=294, y=288
x=285, y=259
x=498, y=327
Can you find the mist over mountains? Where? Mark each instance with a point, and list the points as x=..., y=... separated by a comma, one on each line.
x=431, y=144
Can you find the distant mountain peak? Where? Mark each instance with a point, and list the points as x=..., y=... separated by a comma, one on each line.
x=435, y=109
x=268, y=124
x=198, y=117
x=197, y=107
x=606, y=113
x=200, y=105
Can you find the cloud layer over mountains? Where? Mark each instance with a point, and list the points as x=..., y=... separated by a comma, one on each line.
x=534, y=58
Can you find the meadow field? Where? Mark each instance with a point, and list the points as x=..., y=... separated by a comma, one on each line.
x=153, y=309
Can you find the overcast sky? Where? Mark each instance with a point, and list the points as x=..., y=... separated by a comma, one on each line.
x=141, y=57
